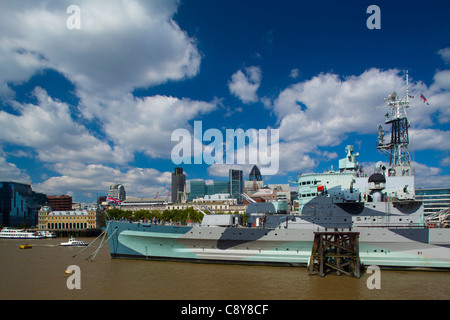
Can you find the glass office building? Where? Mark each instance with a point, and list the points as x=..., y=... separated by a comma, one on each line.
x=19, y=204
x=178, y=185
x=200, y=188
x=434, y=200
x=236, y=179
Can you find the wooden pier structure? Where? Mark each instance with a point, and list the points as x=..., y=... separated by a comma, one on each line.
x=335, y=251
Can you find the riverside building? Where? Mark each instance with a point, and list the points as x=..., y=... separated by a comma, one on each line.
x=71, y=222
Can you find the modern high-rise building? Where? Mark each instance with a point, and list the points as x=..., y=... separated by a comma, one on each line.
x=19, y=204
x=434, y=200
x=236, y=181
x=255, y=174
x=117, y=191
x=200, y=189
x=178, y=185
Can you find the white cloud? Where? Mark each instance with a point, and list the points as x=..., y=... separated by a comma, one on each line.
x=81, y=179
x=294, y=73
x=445, y=54
x=146, y=124
x=244, y=85
x=429, y=177
x=10, y=172
x=429, y=139
x=445, y=162
x=442, y=79
x=121, y=45
x=322, y=111
x=49, y=128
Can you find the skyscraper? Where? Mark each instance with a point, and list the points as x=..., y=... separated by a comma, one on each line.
x=236, y=181
x=255, y=174
x=178, y=184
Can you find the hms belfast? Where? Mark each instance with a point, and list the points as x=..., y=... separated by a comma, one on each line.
x=380, y=208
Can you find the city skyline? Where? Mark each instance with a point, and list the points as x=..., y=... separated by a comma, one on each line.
x=84, y=106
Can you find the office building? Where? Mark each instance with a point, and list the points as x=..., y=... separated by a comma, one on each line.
x=236, y=181
x=434, y=200
x=178, y=185
x=19, y=204
x=200, y=189
x=221, y=187
x=117, y=191
x=62, y=202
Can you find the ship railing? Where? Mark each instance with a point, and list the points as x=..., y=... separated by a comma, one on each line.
x=445, y=224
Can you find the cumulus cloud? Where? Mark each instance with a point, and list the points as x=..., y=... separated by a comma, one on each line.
x=146, y=124
x=49, y=128
x=87, y=180
x=10, y=172
x=244, y=84
x=294, y=73
x=429, y=177
x=445, y=54
x=430, y=139
x=121, y=44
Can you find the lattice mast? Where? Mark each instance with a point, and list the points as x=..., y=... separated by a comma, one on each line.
x=398, y=148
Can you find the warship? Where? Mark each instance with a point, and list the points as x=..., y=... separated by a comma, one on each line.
x=380, y=207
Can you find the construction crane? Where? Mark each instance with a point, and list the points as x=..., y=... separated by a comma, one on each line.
x=168, y=193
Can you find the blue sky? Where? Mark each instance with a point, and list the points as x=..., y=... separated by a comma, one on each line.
x=84, y=108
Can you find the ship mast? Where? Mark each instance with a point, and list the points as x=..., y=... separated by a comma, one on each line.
x=398, y=148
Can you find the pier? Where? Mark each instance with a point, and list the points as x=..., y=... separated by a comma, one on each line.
x=93, y=232
x=335, y=251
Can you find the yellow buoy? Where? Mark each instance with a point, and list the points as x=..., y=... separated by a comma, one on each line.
x=25, y=246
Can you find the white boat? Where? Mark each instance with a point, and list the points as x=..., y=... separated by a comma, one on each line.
x=73, y=243
x=8, y=233
x=47, y=234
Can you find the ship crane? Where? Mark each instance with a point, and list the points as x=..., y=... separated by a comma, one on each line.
x=199, y=210
x=209, y=210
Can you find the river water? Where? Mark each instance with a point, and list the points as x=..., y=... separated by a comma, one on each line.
x=39, y=273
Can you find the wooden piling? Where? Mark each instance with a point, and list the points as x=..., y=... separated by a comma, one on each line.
x=338, y=251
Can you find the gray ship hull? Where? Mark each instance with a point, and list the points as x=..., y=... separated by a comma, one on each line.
x=384, y=247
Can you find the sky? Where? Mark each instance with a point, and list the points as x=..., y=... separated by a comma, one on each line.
x=91, y=95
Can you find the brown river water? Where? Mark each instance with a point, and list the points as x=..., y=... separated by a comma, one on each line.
x=39, y=273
